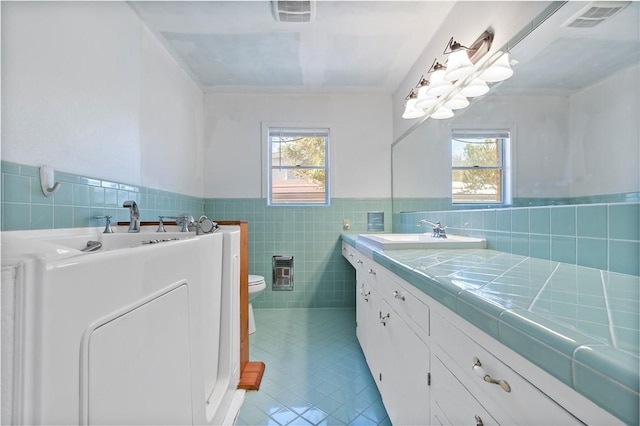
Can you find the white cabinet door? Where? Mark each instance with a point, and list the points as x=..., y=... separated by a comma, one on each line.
x=366, y=314
x=404, y=370
x=452, y=404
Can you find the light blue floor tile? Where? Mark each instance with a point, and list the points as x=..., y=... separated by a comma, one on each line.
x=316, y=373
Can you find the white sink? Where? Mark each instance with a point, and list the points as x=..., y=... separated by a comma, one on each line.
x=421, y=241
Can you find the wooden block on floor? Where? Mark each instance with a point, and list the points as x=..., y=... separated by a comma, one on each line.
x=252, y=375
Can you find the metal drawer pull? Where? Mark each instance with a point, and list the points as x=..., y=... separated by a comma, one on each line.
x=398, y=295
x=350, y=254
x=363, y=294
x=383, y=319
x=479, y=421
x=371, y=271
x=477, y=368
x=359, y=261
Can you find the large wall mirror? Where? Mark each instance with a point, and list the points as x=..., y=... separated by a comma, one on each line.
x=572, y=110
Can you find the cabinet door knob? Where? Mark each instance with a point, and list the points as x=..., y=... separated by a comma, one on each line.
x=477, y=368
x=479, y=421
x=398, y=295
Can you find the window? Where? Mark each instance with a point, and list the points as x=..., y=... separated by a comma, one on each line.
x=298, y=166
x=478, y=166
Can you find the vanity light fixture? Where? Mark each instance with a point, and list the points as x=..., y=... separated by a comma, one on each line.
x=410, y=110
x=425, y=100
x=475, y=88
x=498, y=71
x=458, y=101
x=442, y=113
x=437, y=91
x=438, y=85
x=459, y=65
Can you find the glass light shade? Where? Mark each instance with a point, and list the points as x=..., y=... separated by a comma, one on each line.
x=500, y=70
x=457, y=102
x=425, y=100
x=410, y=110
x=442, y=113
x=439, y=86
x=459, y=66
x=477, y=87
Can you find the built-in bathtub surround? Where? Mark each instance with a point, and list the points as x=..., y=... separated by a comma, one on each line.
x=312, y=236
x=79, y=199
x=603, y=235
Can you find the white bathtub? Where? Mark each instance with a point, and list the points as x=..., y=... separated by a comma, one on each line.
x=129, y=334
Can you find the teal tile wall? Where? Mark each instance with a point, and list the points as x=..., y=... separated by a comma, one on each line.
x=322, y=277
x=602, y=235
x=79, y=199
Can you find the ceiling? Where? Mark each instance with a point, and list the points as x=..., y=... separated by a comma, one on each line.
x=560, y=60
x=351, y=46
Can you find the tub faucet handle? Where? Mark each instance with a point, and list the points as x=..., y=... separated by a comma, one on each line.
x=107, y=225
x=161, y=224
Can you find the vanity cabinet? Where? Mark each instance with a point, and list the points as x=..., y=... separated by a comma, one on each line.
x=433, y=367
x=505, y=394
x=397, y=356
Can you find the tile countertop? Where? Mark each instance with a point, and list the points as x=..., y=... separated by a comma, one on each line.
x=579, y=324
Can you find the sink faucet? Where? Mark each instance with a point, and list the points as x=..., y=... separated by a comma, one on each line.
x=438, y=230
x=134, y=215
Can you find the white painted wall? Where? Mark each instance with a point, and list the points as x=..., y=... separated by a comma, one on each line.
x=539, y=131
x=88, y=90
x=361, y=128
x=603, y=151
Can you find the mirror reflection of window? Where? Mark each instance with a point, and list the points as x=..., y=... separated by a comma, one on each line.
x=478, y=166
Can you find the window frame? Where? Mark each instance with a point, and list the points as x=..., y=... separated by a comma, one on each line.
x=324, y=130
x=505, y=136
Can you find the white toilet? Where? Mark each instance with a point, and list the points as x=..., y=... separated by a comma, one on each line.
x=256, y=286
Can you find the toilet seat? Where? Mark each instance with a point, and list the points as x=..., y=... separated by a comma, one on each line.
x=255, y=280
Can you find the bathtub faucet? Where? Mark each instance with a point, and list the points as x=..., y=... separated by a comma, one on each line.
x=134, y=215
x=185, y=221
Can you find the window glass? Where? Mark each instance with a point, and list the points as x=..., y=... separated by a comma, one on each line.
x=298, y=164
x=478, y=166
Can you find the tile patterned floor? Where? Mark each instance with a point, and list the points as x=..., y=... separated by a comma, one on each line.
x=316, y=372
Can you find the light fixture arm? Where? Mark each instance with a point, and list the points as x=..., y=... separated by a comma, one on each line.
x=454, y=46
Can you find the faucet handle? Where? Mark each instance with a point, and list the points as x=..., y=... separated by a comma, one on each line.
x=107, y=226
x=161, y=224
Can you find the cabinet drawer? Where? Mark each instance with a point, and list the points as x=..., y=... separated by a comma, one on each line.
x=452, y=404
x=410, y=308
x=513, y=400
x=352, y=255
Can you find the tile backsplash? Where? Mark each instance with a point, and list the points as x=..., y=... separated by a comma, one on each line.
x=603, y=235
x=79, y=199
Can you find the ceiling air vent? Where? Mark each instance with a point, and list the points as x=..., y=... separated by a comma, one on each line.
x=294, y=11
x=595, y=13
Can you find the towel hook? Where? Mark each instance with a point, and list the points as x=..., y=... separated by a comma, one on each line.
x=47, y=181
